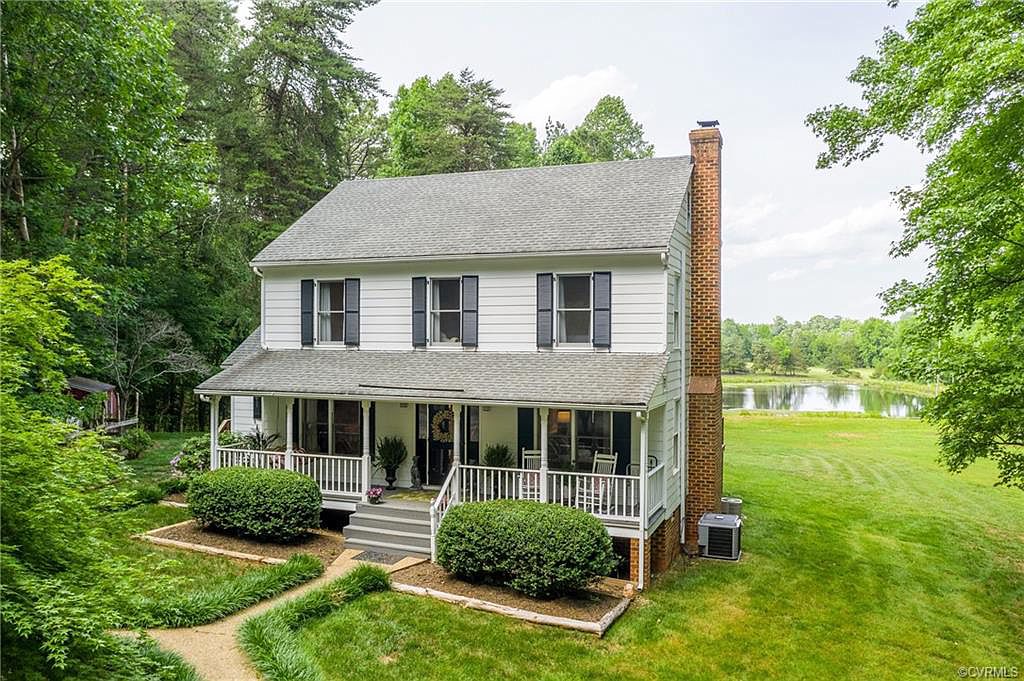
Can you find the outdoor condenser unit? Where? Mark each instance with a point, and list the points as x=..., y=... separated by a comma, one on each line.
x=718, y=535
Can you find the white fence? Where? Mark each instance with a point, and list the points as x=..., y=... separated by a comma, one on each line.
x=655, y=489
x=335, y=475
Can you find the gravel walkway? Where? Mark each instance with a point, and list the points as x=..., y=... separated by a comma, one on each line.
x=213, y=649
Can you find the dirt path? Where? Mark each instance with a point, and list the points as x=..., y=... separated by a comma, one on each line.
x=213, y=648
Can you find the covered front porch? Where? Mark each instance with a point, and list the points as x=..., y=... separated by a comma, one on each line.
x=596, y=460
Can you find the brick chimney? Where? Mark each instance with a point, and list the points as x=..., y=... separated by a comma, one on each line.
x=704, y=384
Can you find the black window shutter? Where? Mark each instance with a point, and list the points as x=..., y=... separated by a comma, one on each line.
x=306, y=305
x=351, y=312
x=470, y=310
x=524, y=431
x=545, y=300
x=622, y=440
x=602, y=309
x=257, y=407
x=419, y=312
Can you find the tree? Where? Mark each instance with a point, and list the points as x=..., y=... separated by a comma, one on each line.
x=523, y=148
x=451, y=125
x=56, y=493
x=954, y=83
x=607, y=133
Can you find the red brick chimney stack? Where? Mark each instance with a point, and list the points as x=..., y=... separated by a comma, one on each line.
x=704, y=438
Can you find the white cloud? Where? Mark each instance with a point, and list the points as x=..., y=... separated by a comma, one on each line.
x=736, y=217
x=783, y=274
x=825, y=264
x=569, y=99
x=866, y=231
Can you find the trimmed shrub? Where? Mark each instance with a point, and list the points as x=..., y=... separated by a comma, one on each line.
x=134, y=442
x=272, y=505
x=539, y=549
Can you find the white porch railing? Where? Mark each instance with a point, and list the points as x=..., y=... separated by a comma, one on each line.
x=335, y=475
x=612, y=497
x=249, y=458
x=484, y=483
x=655, y=489
x=444, y=500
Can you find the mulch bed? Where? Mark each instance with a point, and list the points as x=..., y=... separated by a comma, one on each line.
x=177, y=497
x=588, y=607
x=322, y=544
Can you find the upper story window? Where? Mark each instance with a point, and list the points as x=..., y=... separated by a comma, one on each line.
x=573, y=308
x=677, y=317
x=331, y=312
x=445, y=311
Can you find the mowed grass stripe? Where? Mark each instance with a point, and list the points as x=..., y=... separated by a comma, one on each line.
x=864, y=558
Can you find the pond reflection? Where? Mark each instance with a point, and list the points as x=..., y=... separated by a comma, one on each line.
x=822, y=397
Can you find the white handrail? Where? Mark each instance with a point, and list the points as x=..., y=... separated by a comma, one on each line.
x=655, y=489
x=439, y=507
x=340, y=475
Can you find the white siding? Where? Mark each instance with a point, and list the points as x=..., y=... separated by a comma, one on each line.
x=507, y=304
x=241, y=414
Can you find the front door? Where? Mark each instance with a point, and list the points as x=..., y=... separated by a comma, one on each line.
x=434, y=442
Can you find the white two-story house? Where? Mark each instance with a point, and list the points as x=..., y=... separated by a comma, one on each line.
x=547, y=309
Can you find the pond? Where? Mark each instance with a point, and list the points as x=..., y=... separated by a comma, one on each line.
x=822, y=397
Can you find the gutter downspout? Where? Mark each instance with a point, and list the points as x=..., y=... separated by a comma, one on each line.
x=644, y=515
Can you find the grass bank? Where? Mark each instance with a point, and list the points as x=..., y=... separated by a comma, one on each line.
x=154, y=465
x=821, y=375
x=863, y=559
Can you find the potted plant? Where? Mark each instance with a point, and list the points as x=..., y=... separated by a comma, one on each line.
x=498, y=455
x=375, y=494
x=389, y=456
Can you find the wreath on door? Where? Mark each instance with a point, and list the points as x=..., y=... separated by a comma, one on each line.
x=441, y=426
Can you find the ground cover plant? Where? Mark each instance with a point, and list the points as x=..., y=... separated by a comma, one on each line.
x=863, y=558
x=270, y=639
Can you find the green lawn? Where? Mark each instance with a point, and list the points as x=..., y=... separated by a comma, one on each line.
x=862, y=559
x=154, y=465
x=819, y=374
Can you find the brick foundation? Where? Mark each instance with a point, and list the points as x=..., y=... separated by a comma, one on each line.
x=664, y=544
x=704, y=385
x=634, y=562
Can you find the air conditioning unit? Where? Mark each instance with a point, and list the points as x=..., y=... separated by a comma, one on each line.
x=718, y=535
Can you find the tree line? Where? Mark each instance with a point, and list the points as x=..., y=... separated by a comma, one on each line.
x=161, y=144
x=835, y=343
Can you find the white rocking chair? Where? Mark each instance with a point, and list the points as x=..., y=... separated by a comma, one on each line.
x=592, y=490
x=529, y=482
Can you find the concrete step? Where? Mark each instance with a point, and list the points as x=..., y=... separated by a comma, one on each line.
x=389, y=522
x=396, y=509
x=387, y=547
x=391, y=537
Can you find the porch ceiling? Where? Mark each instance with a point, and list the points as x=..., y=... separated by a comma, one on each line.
x=622, y=380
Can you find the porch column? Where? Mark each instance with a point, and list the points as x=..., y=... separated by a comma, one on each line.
x=544, y=454
x=365, y=404
x=289, y=434
x=457, y=452
x=642, y=416
x=214, y=416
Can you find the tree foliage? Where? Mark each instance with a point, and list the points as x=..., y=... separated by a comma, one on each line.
x=607, y=133
x=953, y=82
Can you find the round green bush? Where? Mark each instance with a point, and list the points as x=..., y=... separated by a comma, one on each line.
x=541, y=550
x=271, y=505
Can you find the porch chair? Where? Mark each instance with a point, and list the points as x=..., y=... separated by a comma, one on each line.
x=591, y=491
x=652, y=462
x=529, y=483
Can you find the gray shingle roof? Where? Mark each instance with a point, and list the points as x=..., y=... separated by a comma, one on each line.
x=555, y=379
x=249, y=346
x=619, y=205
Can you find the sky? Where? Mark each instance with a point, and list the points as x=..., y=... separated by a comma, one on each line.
x=797, y=241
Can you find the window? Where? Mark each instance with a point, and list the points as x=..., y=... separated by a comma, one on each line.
x=331, y=312
x=348, y=439
x=677, y=329
x=676, y=451
x=445, y=311
x=593, y=434
x=574, y=435
x=573, y=308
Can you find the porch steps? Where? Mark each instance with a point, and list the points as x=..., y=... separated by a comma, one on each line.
x=394, y=526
